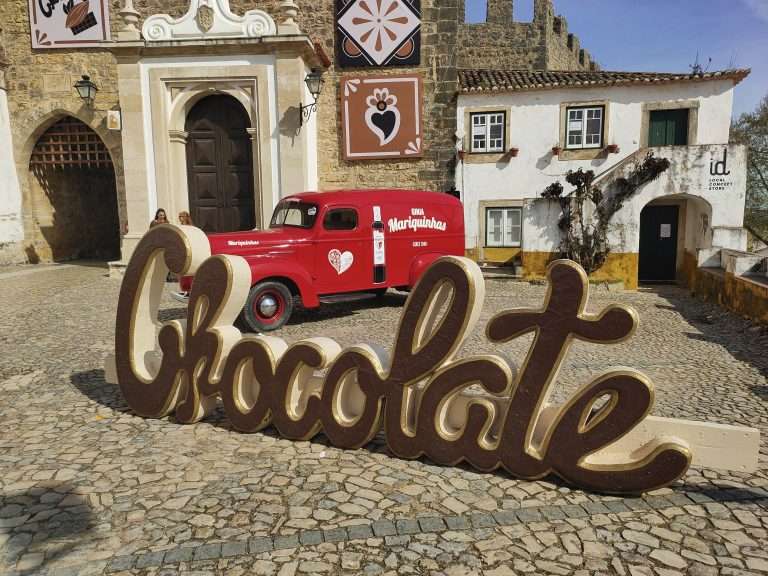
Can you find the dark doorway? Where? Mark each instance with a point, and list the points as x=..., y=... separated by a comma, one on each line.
x=658, y=244
x=74, y=195
x=668, y=128
x=220, y=165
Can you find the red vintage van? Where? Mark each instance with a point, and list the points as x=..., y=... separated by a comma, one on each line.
x=320, y=245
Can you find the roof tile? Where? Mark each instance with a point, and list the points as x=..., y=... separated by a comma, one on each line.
x=471, y=81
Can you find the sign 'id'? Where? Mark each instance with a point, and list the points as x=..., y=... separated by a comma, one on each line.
x=428, y=401
x=68, y=23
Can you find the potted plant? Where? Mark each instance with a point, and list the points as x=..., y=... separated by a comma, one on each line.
x=612, y=148
x=556, y=150
x=513, y=151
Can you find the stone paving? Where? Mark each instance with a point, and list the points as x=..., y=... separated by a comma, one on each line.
x=86, y=487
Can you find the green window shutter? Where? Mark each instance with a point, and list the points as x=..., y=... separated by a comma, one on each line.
x=681, y=126
x=658, y=130
x=668, y=128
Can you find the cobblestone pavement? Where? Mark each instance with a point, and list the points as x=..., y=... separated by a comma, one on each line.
x=86, y=487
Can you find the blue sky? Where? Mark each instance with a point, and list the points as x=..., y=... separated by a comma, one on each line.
x=664, y=36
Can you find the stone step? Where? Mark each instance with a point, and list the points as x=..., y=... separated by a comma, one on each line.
x=492, y=272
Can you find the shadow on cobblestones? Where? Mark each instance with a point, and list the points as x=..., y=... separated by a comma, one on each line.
x=744, y=340
x=44, y=524
x=723, y=493
x=91, y=384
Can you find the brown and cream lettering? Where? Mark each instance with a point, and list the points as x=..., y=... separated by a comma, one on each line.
x=480, y=410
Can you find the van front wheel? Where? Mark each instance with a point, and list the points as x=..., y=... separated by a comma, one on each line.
x=268, y=307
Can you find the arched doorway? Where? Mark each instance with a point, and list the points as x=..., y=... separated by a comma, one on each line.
x=220, y=165
x=673, y=228
x=73, y=195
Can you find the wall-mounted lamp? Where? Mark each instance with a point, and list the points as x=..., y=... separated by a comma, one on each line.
x=86, y=89
x=314, y=82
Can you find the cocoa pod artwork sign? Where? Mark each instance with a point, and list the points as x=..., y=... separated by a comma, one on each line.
x=68, y=23
x=429, y=402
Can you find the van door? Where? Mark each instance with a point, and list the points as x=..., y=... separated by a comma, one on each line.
x=342, y=258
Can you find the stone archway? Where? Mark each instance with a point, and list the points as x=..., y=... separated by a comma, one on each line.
x=72, y=195
x=672, y=229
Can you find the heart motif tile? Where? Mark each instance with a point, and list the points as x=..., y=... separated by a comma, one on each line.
x=341, y=261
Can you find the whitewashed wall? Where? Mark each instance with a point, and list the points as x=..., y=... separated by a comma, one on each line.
x=11, y=230
x=689, y=177
x=534, y=120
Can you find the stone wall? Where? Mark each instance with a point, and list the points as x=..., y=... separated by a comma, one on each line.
x=746, y=296
x=40, y=91
x=500, y=42
x=317, y=19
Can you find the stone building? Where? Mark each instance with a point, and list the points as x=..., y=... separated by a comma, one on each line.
x=73, y=184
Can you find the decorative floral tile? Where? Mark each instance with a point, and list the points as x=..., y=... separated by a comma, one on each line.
x=378, y=32
x=381, y=116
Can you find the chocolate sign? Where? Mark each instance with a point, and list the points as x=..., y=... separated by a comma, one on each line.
x=68, y=23
x=479, y=409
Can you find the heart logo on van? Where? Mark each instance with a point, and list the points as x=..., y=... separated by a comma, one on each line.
x=341, y=261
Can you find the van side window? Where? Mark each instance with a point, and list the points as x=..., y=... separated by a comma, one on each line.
x=340, y=219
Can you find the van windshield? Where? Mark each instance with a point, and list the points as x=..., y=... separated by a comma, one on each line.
x=294, y=213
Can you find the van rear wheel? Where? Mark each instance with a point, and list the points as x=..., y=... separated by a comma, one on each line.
x=268, y=307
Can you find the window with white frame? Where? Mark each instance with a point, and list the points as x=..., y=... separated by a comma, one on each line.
x=503, y=227
x=488, y=131
x=585, y=127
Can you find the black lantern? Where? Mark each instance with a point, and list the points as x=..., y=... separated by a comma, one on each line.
x=86, y=89
x=314, y=82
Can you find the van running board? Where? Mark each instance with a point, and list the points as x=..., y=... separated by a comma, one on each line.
x=350, y=297
x=330, y=299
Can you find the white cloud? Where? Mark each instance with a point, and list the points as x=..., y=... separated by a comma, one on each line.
x=759, y=7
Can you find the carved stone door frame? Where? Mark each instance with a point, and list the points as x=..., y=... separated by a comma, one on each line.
x=176, y=91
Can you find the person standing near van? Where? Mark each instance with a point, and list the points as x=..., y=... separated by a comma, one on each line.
x=185, y=219
x=160, y=218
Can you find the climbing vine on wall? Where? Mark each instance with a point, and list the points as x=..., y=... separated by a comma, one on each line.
x=587, y=210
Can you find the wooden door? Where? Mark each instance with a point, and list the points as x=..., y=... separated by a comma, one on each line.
x=220, y=165
x=342, y=254
x=658, y=244
x=668, y=128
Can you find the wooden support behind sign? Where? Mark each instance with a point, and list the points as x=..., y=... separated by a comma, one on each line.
x=479, y=410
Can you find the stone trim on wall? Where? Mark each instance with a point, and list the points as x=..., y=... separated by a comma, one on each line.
x=693, y=118
x=208, y=19
x=183, y=88
x=486, y=157
x=583, y=153
x=501, y=203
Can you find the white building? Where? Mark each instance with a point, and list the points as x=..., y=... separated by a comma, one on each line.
x=520, y=131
